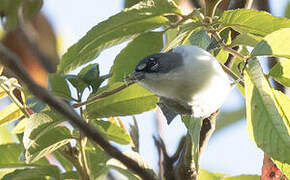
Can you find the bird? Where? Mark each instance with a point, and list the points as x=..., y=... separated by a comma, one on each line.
x=187, y=79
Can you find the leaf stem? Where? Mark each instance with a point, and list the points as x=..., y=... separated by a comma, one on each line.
x=15, y=100
x=102, y=95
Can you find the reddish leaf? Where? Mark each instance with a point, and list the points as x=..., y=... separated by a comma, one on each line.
x=270, y=170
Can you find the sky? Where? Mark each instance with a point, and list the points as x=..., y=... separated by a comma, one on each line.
x=230, y=151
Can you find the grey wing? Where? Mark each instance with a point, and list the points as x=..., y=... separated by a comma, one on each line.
x=169, y=115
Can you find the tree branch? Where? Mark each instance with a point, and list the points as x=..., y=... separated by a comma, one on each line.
x=185, y=169
x=11, y=61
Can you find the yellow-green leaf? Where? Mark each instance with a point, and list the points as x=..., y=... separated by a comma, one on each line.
x=131, y=100
x=281, y=72
x=246, y=39
x=267, y=116
x=251, y=21
x=10, y=113
x=20, y=126
x=125, y=25
x=274, y=44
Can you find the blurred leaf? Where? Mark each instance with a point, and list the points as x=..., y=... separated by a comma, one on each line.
x=90, y=74
x=31, y=7
x=77, y=82
x=133, y=53
x=205, y=175
x=246, y=39
x=67, y=165
x=46, y=143
x=251, y=21
x=35, y=173
x=281, y=72
x=134, y=133
x=211, y=7
x=193, y=126
x=113, y=163
x=185, y=30
x=10, y=159
x=10, y=154
x=59, y=86
x=70, y=175
x=20, y=126
x=132, y=100
x=10, y=10
x=267, y=119
x=227, y=118
x=3, y=94
x=10, y=113
x=97, y=159
x=125, y=25
x=112, y=131
x=284, y=167
x=287, y=11
x=5, y=136
x=200, y=38
x=129, y=3
x=40, y=123
x=274, y=44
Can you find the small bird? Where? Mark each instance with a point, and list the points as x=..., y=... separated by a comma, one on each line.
x=187, y=79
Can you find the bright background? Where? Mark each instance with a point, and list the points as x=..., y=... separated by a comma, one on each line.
x=229, y=151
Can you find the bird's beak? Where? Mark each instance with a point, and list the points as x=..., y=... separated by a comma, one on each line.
x=135, y=76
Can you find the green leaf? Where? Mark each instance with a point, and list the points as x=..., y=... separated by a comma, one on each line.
x=113, y=163
x=59, y=86
x=3, y=94
x=10, y=154
x=35, y=173
x=193, y=126
x=97, y=159
x=5, y=136
x=200, y=39
x=20, y=126
x=125, y=25
x=246, y=39
x=274, y=44
x=287, y=11
x=31, y=7
x=221, y=54
x=205, y=175
x=66, y=164
x=267, y=119
x=10, y=113
x=40, y=123
x=133, y=53
x=281, y=72
x=70, y=175
x=284, y=167
x=10, y=10
x=46, y=143
x=132, y=100
x=251, y=21
x=182, y=36
x=10, y=158
x=113, y=132
x=211, y=6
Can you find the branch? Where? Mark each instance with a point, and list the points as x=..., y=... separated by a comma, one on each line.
x=102, y=95
x=185, y=169
x=11, y=61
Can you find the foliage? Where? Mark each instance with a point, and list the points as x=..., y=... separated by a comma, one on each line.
x=46, y=134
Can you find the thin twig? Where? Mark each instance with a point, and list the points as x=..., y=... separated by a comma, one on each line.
x=102, y=95
x=230, y=50
x=12, y=61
